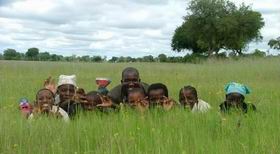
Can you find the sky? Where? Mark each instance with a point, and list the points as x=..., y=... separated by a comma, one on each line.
x=108, y=27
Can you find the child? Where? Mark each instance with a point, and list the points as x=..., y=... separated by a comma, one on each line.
x=25, y=107
x=66, y=90
x=235, y=97
x=44, y=105
x=137, y=99
x=130, y=79
x=188, y=98
x=158, y=96
x=95, y=100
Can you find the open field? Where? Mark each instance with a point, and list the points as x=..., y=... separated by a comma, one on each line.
x=177, y=131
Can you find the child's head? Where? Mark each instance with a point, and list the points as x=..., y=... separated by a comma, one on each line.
x=66, y=87
x=25, y=107
x=234, y=99
x=135, y=95
x=66, y=92
x=188, y=96
x=44, y=100
x=235, y=93
x=93, y=99
x=157, y=92
x=130, y=78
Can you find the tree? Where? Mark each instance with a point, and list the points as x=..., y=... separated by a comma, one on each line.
x=274, y=43
x=1, y=57
x=114, y=59
x=213, y=25
x=258, y=53
x=85, y=58
x=55, y=57
x=32, y=54
x=162, y=58
x=44, y=56
x=241, y=27
x=96, y=59
x=149, y=58
x=11, y=54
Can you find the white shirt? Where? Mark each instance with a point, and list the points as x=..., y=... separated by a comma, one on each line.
x=201, y=106
x=55, y=109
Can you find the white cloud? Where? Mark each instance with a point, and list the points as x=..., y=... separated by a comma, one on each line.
x=111, y=28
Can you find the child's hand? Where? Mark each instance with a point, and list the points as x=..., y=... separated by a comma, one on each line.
x=106, y=101
x=142, y=105
x=167, y=103
x=80, y=96
x=50, y=84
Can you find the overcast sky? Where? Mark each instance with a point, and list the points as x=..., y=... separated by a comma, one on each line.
x=107, y=27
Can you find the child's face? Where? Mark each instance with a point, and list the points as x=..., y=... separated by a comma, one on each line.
x=131, y=80
x=66, y=92
x=187, y=97
x=45, y=100
x=234, y=99
x=156, y=96
x=134, y=97
x=91, y=103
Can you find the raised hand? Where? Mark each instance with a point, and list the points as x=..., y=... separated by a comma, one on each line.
x=168, y=103
x=80, y=96
x=106, y=101
x=50, y=84
x=142, y=105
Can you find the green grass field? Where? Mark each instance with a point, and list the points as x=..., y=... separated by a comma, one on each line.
x=177, y=131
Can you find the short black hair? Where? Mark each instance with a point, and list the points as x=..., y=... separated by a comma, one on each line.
x=43, y=90
x=242, y=98
x=94, y=95
x=130, y=69
x=140, y=89
x=190, y=88
x=125, y=92
x=157, y=86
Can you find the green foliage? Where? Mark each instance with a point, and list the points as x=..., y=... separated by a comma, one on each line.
x=213, y=25
x=274, y=43
x=11, y=54
x=177, y=131
x=162, y=58
x=44, y=56
x=258, y=53
x=32, y=54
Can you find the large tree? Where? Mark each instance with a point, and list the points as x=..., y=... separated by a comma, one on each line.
x=274, y=43
x=32, y=54
x=212, y=25
x=11, y=54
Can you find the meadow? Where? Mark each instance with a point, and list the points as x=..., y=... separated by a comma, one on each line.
x=177, y=131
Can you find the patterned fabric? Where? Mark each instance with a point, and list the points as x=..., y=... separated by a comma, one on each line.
x=234, y=87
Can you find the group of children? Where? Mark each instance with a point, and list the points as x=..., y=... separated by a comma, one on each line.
x=65, y=100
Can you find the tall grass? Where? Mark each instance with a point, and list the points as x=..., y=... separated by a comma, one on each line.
x=177, y=131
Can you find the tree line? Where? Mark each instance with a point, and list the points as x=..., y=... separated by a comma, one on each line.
x=210, y=28
x=33, y=54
